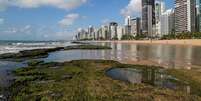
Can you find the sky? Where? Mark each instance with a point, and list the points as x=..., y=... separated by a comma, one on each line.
x=60, y=19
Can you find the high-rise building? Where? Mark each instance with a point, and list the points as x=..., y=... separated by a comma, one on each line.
x=185, y=15
x=159, y=9
x=82, y=34
x=104, y=32
x=128, y=25
x=136, y=26
x=197, y=19
x=148, y=16
x=100, y=34
x=113, y=30
x=198, y=16
x=127, y=29
x=91, y=32
x=167, y=22
x=128, y=20
x=120, y=32
x=95, y=34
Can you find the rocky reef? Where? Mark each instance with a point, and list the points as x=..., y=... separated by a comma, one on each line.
x=42, y=53
x=85, y=80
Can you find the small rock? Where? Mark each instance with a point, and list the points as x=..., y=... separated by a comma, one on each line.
x=56, y=95
x=55, y=67
x=43, y=82
x=67, y=76
x=2, y=98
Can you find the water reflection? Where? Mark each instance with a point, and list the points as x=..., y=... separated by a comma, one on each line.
x=5, y=71
x=170, y=56
x=154, y=77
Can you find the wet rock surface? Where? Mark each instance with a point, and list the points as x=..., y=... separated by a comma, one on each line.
x=28, y=54
x=88, y=47
x=79, y=80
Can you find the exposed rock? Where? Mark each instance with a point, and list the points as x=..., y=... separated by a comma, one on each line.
x=86, y=47
x=28, y=54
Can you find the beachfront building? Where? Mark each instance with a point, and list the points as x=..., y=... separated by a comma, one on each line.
x=128, y=29
x=198, y=16
x=113, y=30
x=104, y=32
x=167, y=22
x=99, y=34
x=148, y=17
x=127, y=25
x=82, y=34
x=159, y=9
x=95, y=34
x=136, y=26
x=128, y=20
x=91, y=32
x=185, y=16
x=120, y=32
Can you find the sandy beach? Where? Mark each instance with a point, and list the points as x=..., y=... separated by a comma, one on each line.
x=193, y=42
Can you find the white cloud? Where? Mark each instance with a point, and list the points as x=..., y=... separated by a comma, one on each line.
x=11, y=31
x=1, y=21
x=3, y=4
x=105, y=21
x=63, y=4
x=133, y=8
x=79, y=29
x=27, y=27
x=69, y=19
x=18, y=30
x=63, y=35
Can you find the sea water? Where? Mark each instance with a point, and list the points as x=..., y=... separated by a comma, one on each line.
x=16, y=46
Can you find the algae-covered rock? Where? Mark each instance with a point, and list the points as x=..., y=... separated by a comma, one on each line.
x=29, y=54
x=85, y=80
x=35, y=62
x=87, y=47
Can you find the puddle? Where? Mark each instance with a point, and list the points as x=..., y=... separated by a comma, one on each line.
x=6, y=77
x=154, y=77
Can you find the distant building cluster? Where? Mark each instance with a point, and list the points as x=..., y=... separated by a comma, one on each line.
x=155, y=22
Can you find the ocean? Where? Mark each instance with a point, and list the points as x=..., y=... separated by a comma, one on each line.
x=16, y=46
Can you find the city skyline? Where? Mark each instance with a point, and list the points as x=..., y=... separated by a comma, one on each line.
x=35, y=20
x=156, y=22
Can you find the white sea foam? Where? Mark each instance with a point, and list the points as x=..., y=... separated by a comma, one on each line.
x=19, y=46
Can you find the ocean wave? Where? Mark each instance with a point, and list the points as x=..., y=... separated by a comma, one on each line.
x=20, y=46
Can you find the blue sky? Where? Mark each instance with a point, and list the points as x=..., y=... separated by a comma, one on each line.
x=59, y=19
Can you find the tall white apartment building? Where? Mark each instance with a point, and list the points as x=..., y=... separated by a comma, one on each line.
x=104, y=32
x=91, y=32
x=159, y=9
x=128, y=20
x=167, y=22
x=135, y=26
x=185, y=15
x=120, y=32
x=148, y=17
x=113, y=30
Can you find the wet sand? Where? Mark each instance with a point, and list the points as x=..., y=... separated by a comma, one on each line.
x=193, y=42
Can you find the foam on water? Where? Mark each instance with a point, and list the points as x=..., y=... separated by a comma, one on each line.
x=14, y=47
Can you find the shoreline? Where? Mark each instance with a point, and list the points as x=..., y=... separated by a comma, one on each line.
x=43, y=77
x=191, y=42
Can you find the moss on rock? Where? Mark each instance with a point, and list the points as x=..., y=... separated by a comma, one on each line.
x=86, y=47
x=85, y=80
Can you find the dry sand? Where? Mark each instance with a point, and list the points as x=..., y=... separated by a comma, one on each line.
x=193, y=42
